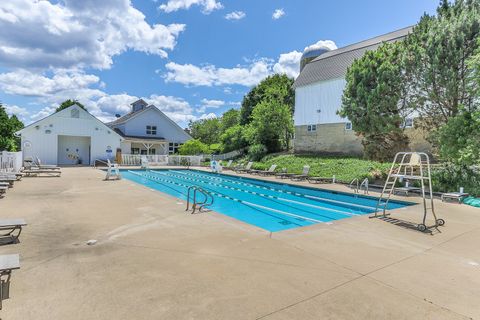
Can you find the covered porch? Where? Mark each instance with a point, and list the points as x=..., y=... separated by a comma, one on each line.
x=145, y=146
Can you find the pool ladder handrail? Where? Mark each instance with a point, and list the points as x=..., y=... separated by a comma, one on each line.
x=357, y=186
x=207, y=199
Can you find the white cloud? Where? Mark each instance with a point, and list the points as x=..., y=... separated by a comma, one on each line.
x=74, y=34
x=210, y=115
x=27, y=83
x=235, y=15
x=289, y=64
x=214, y=104
x=277, y=14
x=322, y=44
x=51, y=90
x=210, y=75
x=207, y=5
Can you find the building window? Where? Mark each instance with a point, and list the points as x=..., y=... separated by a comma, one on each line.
x=143, y=152
x=152, y=151
x=348, y=126
x=152, y=130
x=75, y=113
x=311, y=127
x=173, y=147
x=135, y=151
x=408, y=123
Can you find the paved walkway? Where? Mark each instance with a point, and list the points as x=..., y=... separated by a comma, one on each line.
x=154, y=261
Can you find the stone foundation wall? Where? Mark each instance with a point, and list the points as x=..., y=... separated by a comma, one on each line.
x=333, y=138
x=328, y=138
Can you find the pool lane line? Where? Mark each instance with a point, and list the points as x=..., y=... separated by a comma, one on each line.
x=246, y=203
x=273, y=197
x=282, y=191
x=282, y=199
x=140, y=175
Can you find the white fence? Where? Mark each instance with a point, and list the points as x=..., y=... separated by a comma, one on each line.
x=10, y=161
x=136, y=159
x=161, y=160
x=228, y=155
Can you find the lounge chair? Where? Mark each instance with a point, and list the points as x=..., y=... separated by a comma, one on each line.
x=318, y=180
x=229, y=165
x=459, y=196
x=46, y=166
x=303, y=176
x=268, y=172
x=283, y=174
x=46, y=172
x=405, y=190
x=247, y=168
x=10, y=230
x=8, y=179
x=8, y=263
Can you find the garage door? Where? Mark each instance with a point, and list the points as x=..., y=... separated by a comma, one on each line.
x=73, y=150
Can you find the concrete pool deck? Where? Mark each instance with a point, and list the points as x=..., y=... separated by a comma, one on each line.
x=154, y=261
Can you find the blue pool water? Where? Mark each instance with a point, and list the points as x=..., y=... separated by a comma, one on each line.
x=268, y=205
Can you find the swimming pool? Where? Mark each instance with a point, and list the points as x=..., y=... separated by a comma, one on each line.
x=268, y=205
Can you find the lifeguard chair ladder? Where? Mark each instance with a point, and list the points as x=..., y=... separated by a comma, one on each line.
x=410, y=166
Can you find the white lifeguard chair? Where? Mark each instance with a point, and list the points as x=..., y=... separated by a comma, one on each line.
x=113, y=172
x=410, y=166
x=216, y=166
x=144, y=164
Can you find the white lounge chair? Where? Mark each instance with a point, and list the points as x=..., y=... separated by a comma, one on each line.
x=45, y=172
x=247, y=168
x=268, y=172
x=229, y=165
x=303, y=176
x=8, y=263
x=10, y=230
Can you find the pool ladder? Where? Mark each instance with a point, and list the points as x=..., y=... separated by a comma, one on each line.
x=357, y=186
x=197, y=204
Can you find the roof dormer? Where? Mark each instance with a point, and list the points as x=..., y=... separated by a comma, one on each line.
x=138, y=105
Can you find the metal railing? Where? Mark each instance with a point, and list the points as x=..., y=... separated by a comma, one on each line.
x=10, y=161
x=196, y=203
x=357, y=186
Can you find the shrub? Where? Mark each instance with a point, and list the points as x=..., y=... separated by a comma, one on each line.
x=193, y=147
x=451, y=177
x=257, y=152
x=459, y=139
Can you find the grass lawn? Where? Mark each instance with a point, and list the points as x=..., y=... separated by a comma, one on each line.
x=344, y=168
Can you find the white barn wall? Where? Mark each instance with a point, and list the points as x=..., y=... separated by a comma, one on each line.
x=326, y=96
x=165, y=127
x=45, y=146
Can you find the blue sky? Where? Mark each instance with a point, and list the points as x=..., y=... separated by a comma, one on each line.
x=191, y=58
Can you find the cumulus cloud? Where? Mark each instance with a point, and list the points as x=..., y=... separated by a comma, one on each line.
x=207, y=5
x=235, y=15
x=277, y=14
x=322, y=44
x=288, y=63
x=51, y=90
x=74, y=34
x=210, y=75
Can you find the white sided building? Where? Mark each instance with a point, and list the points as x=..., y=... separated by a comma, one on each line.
x=69, y=137
x=318, y=96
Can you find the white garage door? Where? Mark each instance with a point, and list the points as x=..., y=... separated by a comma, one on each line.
x=73, y=150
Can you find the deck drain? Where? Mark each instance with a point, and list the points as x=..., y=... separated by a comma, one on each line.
x=91, y=242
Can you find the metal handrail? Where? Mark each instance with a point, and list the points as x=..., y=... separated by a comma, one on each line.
x=207, y=200
x=352, y=185
x=95, y=163
x=365, y=184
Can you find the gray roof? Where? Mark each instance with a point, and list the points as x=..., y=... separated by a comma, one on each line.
x=126, y=117
x=334, y=64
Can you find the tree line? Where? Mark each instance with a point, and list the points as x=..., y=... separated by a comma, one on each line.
x=264, y=122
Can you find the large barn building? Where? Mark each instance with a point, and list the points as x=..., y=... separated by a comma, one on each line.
x=318, y=96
